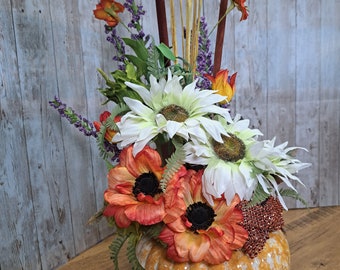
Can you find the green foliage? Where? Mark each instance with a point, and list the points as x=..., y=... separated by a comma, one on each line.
x=101, y=144
x=140, y=59
x=157, y=60
x=131, y=252
x=116, y=89
x=258, y=197
x=174, y=163
x=138, y=46
x=109, y=124
x=153, y=63
x=293, y=194
x=116, y=246
x=186, y=72
x=117, y=110
x=166, y=51
x=153, y=231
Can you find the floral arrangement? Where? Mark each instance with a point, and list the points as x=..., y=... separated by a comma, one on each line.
x=181, y=168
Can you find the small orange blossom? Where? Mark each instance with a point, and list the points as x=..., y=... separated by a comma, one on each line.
x=240, y=4
x=224, y=84
x=109, y=132
x=101, y=11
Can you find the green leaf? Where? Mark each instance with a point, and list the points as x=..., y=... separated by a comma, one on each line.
x=138, y=63
x=131, y=71
x=138, y=47
x=166, y=51
x=116, y=90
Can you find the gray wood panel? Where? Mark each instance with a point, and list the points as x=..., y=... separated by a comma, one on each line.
x=287, y=55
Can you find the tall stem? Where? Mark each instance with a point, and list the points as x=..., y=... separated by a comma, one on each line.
x=161, y=20
x=220, y=36
x=173, y=28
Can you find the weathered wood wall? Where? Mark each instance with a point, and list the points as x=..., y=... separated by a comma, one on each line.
x=287, y=55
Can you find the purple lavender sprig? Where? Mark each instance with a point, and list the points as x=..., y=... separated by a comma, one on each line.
x=204, y=57
x=82, y=124
x=112, y=148
x=137, y=12
x=118, y=43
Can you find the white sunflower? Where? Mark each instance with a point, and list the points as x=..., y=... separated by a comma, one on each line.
x=277, y=163
x=242, y=163
x=229, y=164
x=169, y=109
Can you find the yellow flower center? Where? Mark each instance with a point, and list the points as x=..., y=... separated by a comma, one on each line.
x=146, y=183
x=175, y=113
x=200, y=215
x=232, y=149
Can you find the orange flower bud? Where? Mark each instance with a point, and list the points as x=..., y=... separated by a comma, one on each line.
x=107, y=10
x=224, y=84
x=240, y=4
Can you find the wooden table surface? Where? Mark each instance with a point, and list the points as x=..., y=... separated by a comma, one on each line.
x=313, y=235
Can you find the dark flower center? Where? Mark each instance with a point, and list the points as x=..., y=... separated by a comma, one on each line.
x=174, y=113
x=200, y=215
x=146, y=183
x=232, y=149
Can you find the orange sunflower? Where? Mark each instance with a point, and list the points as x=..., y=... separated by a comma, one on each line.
x=134, y=193
x=196, y=231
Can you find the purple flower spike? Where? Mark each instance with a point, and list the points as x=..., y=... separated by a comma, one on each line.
x=82, y=124
x=136, y=12
x=204, y=57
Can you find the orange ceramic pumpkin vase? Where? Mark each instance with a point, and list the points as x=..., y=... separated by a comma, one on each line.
x=274, y=256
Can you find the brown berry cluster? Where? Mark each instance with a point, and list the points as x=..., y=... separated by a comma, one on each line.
x=259, y=221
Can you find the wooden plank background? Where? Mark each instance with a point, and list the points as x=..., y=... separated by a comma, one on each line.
x=287, y=55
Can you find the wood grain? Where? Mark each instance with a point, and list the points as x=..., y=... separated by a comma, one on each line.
x=18, y=232
x=314, y=238
x=308, y=93
x=312, y=235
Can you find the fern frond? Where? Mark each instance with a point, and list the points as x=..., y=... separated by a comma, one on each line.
x=154, y=230
x=131, y=252
x=173, y=165
x=259, y=196
x=101, y=146
x=293, y=194
x=117, y=110
x=109, y=124
x=116, y=246
x=153, y=62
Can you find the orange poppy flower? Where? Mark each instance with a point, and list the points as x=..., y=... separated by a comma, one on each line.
x=224, y=84
x=196, y=231
x=240, y=4
x=133, y=193
x=109, y=132
x=101, y=11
